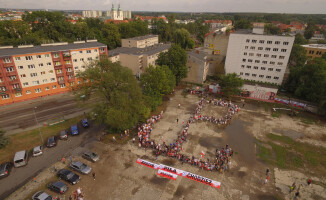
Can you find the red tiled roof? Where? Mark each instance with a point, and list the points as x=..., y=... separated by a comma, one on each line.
x=116, y=21
x=218, y=21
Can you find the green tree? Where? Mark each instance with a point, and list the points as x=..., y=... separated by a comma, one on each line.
x=310, y=30
x=298, y=55
x=324, y=56
x=299, y=39
x=175, y=59
x=3, y=139
x=272, y=29
x=182, y=37
x=231, y=84
x=242, y=24
x=120, y=104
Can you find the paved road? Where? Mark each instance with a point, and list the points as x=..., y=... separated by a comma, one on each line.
x=20, y=116
x=19, y=176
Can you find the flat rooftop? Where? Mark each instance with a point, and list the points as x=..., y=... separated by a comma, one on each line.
x=249, y=32
x=141, y=37
x=140, y=51
x=315, y=46
x=5, y=52
x=198, y=54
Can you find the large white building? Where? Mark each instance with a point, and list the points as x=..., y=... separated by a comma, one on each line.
x=92, y=13
x=258, y=57
x=118, y=14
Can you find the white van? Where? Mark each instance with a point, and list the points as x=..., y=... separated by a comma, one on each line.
x=20, y=158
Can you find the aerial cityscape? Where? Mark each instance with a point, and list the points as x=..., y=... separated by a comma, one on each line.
x=209, y=99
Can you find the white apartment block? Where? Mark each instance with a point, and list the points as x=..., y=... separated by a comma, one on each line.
x=140, y=42
x=118, y=14
x=91, y=13
x=258, y=57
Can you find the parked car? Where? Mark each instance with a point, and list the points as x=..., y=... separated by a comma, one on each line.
x=68, y=176
x=91, y=156
x=74, y=130
x=40, y=195
x=52, y=141
x=21, y=158
x=80, y=167
x=37, y=151
x=5, y=169
x=58, y=186
x=63, y=135
x=85, y=123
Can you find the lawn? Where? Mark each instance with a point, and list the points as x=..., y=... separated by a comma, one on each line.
x=29, y=139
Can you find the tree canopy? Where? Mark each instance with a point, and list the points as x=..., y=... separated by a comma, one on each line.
x=231, y=84
x=3, y=139
x=182, y=37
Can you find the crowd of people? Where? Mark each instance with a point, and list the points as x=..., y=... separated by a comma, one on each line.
x=223, y=156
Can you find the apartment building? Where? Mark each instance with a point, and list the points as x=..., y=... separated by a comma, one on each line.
x=28, y=72
x=315, y=50
x=197, y=66
x=137, y=59
x=140, y=42
x=259, y=57
x=91, y=13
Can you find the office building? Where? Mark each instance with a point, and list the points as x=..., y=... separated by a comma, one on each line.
x=315, y=50
x=140, y=42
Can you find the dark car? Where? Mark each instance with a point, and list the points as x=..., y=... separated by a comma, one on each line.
x=68, y=176
x=91, y=156
x=85, y=123
x=80, y=167
x=5, y=169
x=52, y=141
x=58, y=187
x=63, y=135
x=40, y=195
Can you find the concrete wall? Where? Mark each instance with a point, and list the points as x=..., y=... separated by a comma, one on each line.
x=133, y=62
x=130, y=42
x=197, y=70
x=80, y=58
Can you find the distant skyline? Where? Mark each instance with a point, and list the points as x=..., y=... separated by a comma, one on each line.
x=268, y=6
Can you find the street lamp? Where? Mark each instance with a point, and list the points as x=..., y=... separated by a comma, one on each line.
x=38, y=125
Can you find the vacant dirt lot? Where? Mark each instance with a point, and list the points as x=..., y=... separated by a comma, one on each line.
x=118, y=176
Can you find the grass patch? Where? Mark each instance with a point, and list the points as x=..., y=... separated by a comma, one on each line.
x=307, y=121
x=264, y=153
x=275, y=114
x=29, y=139
x=280, y=154
x=280, y=138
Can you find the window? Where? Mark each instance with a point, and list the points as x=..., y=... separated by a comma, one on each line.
x=245, y=53
x=247, y=40
x=283, y=50
x=40, y=65
x=76, y=68
x=242, y=66
x=68, y=62
x=272, y=63
x=6, y=96
x=260, y=48
x=282, y=57
x=31, y=66
x=252, y=48
x=10, y=69
x=23, y=75
x=48, y=63
x=17, y=58
x=254, y=75
x=253, y=41
x=274, y=56
x=88, y=51
x=279, y=63
x=45, y=80
x=58, y=63
x=75, y=60
x=38, y=56
x=268, y=77
x=50, y=71
x=15, y=86
x=59, y=71
x=28, y=92
x=103, y=49
x=257, y=61
x=55, y=55
x=269, y=42
x=275, y=49
x=7, y=60
x=20, y=67
x=270, y=69
x=90, y=58
x=42, y=73
x=54, y=87
x=62, y=85
x=70, y=76
x=258, y=55
x=47, y=88
x=255, y=67
x=61, y=78
x=278, y=70
x=277, y=42
x=261, y=76
x=28, y=57
x=264, y=62
x=249, y=60
x=285, y=43
x=38, y=90
x=52, y=79
x=80, y=51
x=263, y=68
x=12, y=78
x=82, y=59
x=267, y=49
x=248, y=66
x=83, y=67
x=95, y=50
x=266, y=55
x=261, y=41
x=244, y=60
x=33, y=74
x=251, y=54
x=46, y=55
x=69, y=69
x=36, y=82
x=241, y=73
x=25, y=84
x=246, y=47
x=18, y=94
x=276, y=78
x=247, y=74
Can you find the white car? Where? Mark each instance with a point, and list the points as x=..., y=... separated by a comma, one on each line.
x=37, y=151
x=40, y=195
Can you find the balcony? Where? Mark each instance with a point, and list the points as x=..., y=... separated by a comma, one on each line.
x=56, y=59
x=12, y=73
x=8, y=64
x=70, y=73
x=61, y=82
x=15, y=81
x=70, y=80
x=59, y=74
x=66, y=57
x=1, y=75
x=15, y=90
x=68, y=65
x=2, y=84
x=58, y=66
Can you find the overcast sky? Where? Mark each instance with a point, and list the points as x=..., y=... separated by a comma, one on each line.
x=271, y=6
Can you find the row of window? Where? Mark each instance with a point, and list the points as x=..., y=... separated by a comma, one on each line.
x=260, y=76
x=265, y=55
x=262, y=68
x=313, y=52
x=266, y=48
x=263, y=62
x=268, y=42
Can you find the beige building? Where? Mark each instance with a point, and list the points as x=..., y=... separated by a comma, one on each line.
x=315, y=50
x=117, y=14
x=140, y=42
x=137, y=59
x=197, y=66
x=91, y=13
